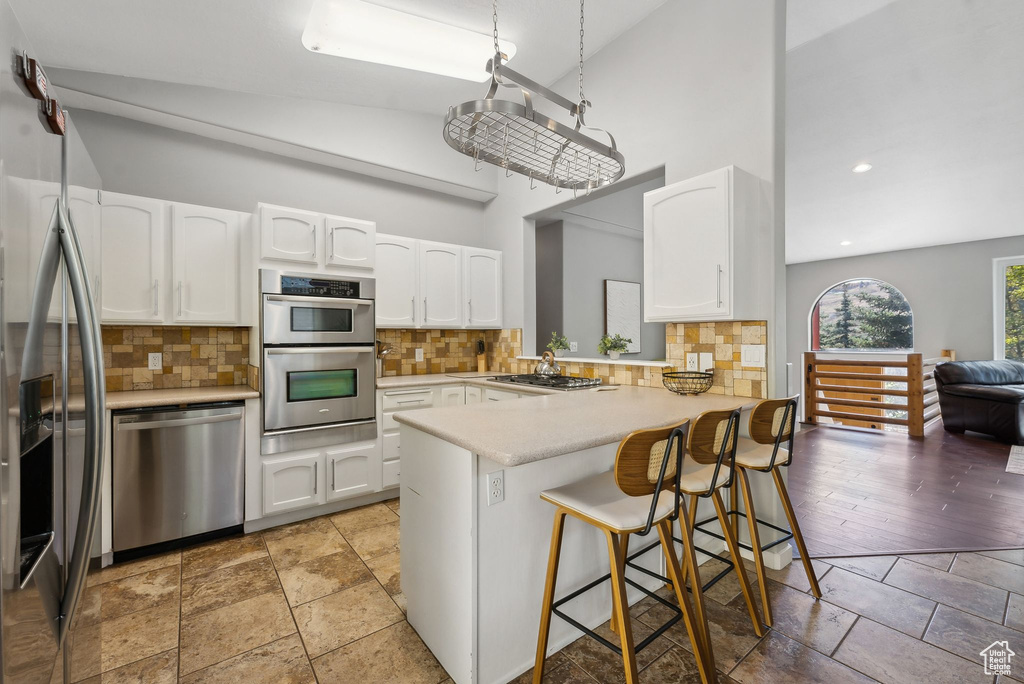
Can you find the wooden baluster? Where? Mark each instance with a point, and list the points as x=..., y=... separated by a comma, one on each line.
x=915, y=398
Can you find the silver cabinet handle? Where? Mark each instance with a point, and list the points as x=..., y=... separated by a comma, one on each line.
x=330, y=252
x=719, y=286
x=470, y=310
x=156, y=297
x=316, y=475
x=324, y=302
x=314, y=241
x=179, y=298
x=333, y=476
x=412, y=303
x=424, y=309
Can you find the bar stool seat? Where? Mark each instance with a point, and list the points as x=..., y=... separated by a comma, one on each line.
x=700, y=481
x=756, y=456
x=599, y=498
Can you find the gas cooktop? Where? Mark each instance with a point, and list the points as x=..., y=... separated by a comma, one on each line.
x=558, y=382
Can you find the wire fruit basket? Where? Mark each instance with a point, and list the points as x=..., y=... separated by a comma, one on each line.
x=687, y=382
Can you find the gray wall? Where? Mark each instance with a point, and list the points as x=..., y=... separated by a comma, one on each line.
x=549, y=283
x=949, y=288
x=152, y=161
x=589, y=257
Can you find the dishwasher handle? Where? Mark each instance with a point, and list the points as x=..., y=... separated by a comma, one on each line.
x=177, y=422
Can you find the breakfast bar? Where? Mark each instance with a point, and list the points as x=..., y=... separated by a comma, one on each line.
x=475, y=534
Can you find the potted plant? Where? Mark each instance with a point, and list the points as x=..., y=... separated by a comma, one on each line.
x=613, y=346
x=559, y=344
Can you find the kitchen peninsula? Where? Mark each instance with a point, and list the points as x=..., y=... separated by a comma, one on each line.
x=473, y=562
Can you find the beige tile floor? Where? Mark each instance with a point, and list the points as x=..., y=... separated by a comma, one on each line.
x=320, y=601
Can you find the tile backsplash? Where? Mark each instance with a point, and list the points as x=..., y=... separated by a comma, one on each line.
x=723, y=339
x=192, y=357
x=449, y=351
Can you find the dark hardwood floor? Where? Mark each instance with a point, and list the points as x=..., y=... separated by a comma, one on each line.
x=865, y=492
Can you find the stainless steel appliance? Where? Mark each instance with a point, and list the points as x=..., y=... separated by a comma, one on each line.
x=51, y=376
x=558, y=382
x=319, y=352
x=177, y=473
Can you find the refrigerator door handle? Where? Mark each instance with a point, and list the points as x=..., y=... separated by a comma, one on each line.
x=95, y=400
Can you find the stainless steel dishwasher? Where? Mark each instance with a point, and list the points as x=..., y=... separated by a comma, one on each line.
x=177, y=473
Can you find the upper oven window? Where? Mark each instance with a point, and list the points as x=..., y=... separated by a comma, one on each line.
x=318, y=385
x=310, y=319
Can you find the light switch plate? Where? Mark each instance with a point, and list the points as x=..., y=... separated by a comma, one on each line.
x=707, y=361
x=692, y=361
x=752, y=355
x=419, y=355
x=574, y=346
x=156, y=361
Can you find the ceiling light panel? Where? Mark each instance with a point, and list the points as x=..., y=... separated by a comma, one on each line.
x=355, y=29
x=862, y=168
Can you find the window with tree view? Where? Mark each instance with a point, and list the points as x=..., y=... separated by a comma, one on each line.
x=866, y=315
x=1013, y=313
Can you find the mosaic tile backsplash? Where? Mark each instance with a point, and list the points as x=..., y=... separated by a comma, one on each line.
x=192, y=357
x=450, y=351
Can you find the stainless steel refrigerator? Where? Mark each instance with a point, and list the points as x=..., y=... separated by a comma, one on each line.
x=51, y=386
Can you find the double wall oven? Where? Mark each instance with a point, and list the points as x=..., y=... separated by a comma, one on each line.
x=319, y=357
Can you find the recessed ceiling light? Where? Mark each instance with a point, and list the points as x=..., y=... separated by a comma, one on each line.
x=845, y=243
x=359, y=30
x=861, y=168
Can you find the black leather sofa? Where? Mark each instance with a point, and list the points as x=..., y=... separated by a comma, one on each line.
x=983, y=396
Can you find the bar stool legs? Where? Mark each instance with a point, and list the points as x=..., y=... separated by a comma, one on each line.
x=617, y=560
x=755, y=543
x=734, y=554
x=549, y=595
x=624, y=542
x=798, y=536
x=695, y=626
x=690, y=564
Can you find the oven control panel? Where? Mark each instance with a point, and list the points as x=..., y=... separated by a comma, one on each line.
x=319, y=287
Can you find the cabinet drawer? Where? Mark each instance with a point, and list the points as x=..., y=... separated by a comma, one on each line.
x=399, y=401
x=391, y=472
x=392, y=447
x=388, y=422
x=499, y=395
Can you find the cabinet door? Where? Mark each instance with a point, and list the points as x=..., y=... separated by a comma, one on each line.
x=397, y=283
x=205, y=262
x=353, y=470
x=453, y=396
x=687, y=249
x=134, y=253
x=499, y=395
x=290, y=234
x=482, y=278
x=474, y=395
x=295, y=481
x=350, y=243
x=441, y=285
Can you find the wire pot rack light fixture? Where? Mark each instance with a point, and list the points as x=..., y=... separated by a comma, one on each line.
x=519, y=139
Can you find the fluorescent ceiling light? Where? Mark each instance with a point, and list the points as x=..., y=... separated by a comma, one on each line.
x=359, y=30
x=861, y=168
x=845, y=243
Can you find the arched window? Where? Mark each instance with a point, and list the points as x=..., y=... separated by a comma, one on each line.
x=863, y=314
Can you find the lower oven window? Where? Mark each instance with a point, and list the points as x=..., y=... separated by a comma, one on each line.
x=308, y=319
x=317, y=385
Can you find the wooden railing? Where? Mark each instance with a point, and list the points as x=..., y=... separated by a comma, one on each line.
x=853, y=392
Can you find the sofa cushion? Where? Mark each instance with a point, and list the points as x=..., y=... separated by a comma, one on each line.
x=980, y=373
x=1006, y=394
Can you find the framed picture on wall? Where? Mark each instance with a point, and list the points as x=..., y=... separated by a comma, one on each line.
x=623, y=313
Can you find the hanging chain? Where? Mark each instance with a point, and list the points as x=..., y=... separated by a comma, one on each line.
x=582, y=99
x=494, y=16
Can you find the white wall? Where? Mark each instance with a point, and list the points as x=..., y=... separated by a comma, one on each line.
x=693, y=87
x=949, y=288
x=141, y=159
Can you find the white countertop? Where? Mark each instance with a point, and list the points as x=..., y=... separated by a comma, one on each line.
x=514, y=433
x=179, y=396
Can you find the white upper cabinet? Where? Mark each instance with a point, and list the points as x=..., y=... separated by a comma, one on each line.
x=397, y=282
x=351, y=243
x=205, y=258
x=441, y=285
x=290, y=235
x=482, y=281
x=701, y=249
x=134, y=251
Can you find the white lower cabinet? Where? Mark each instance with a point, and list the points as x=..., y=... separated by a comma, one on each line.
x=352, y=470
x=453, y=396
x=293, y=481
x=474, y=395
x=499, y=395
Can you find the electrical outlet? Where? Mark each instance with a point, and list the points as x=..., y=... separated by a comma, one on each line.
x=574, y=346
x=495, y=487
x=691, y=362
x=419, y=355
x=156, y=361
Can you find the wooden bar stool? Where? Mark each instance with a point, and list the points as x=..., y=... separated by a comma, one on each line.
x=712, y=444
x=770, y=447
x=640, y=493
